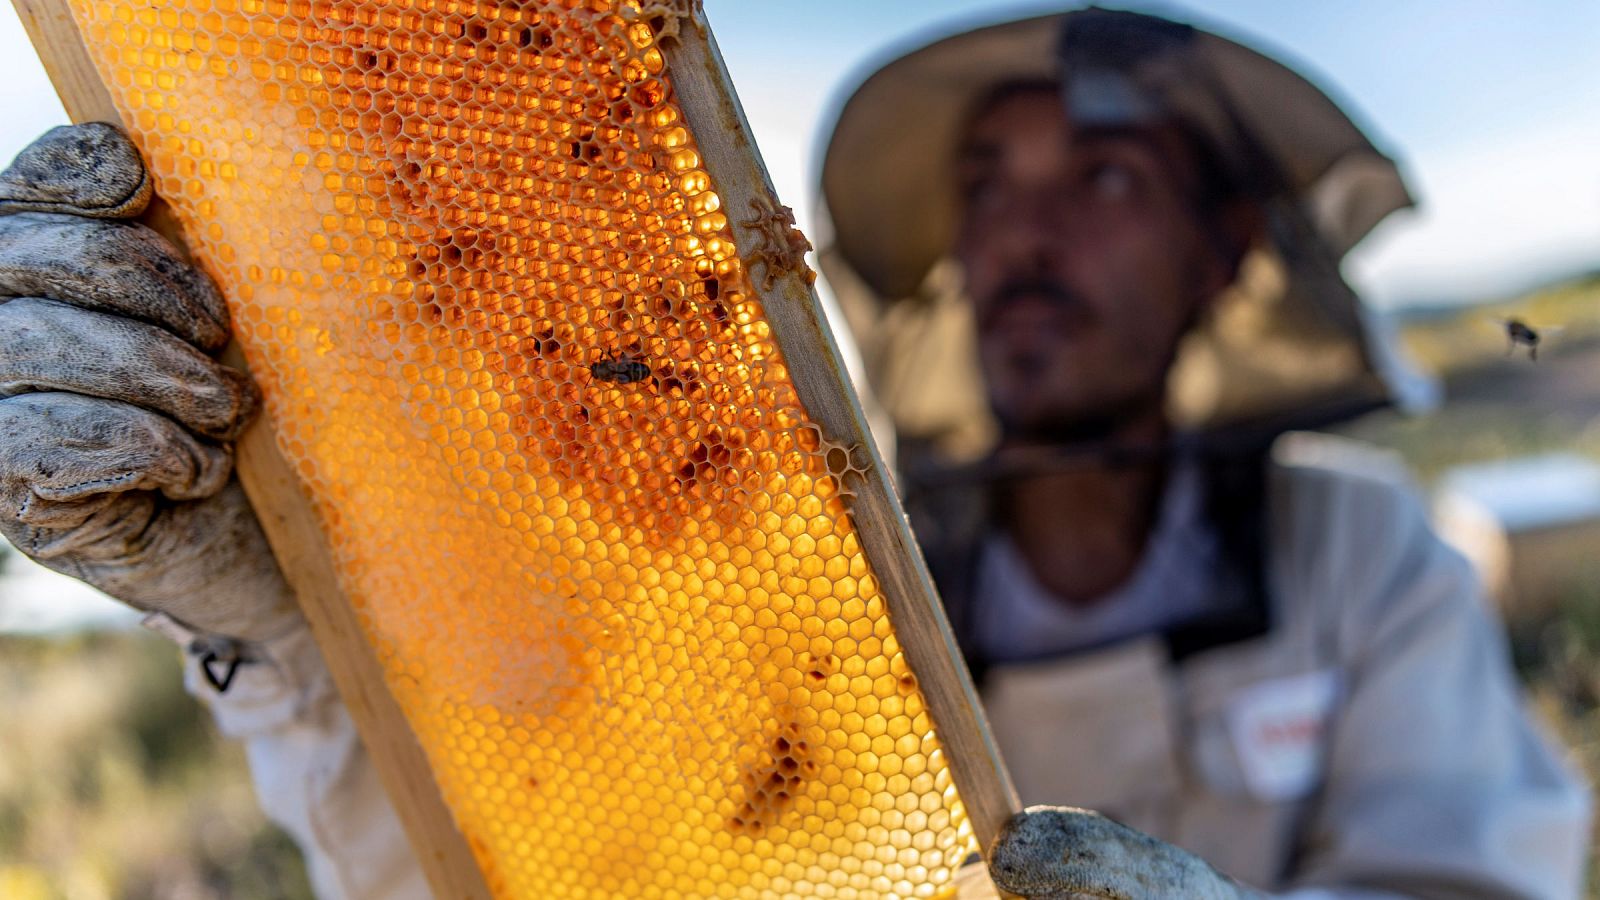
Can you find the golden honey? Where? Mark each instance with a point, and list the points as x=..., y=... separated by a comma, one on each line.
x=501, y=322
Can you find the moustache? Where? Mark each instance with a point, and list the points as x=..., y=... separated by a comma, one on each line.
x=1051, y=292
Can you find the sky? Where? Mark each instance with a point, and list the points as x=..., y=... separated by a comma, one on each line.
x=1492, y=107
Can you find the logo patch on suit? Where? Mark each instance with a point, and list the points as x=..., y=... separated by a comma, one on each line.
x=1278, y=731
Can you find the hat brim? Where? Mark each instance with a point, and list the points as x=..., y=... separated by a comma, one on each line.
x=888, y=170
x=1292, y=333
x=888, y=173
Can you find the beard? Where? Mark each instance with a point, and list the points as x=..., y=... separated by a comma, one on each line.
x=1061, y=372
x=1101, y=422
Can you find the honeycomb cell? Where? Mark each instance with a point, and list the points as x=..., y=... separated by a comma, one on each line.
x=513, y=349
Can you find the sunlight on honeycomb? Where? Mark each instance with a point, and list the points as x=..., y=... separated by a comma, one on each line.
x=501, y=323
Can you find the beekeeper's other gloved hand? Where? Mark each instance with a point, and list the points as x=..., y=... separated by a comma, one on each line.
x=115, y=461
x=1058, y=853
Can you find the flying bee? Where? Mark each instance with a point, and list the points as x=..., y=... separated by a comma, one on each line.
x=1520, y=332
x=619, y=369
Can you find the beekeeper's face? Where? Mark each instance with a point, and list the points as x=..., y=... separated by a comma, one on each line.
x=1086, y=260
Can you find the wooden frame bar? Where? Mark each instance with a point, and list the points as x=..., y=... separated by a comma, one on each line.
x=728, y=149
x=705, y=93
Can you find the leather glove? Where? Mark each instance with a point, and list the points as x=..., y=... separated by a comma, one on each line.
x=115, y=461
x=1057, y=853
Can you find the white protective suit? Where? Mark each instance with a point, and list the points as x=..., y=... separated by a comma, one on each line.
x=1371, y=745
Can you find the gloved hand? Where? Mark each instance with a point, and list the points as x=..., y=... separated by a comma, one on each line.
x=1057, y=853
x=114, y=457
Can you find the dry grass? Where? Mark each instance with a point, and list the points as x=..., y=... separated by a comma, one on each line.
x=1469, y=338
x=114, y=784
x=1558, y=658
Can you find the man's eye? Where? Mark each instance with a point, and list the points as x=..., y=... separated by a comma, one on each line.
x=979, y=194
x=1110, y=180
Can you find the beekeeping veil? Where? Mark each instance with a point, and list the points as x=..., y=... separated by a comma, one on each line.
x=1290, y=344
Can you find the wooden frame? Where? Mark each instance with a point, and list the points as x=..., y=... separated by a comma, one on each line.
x=706, y=96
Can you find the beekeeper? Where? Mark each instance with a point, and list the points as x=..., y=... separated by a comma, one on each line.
x=1093, y=263
x=1268, y=662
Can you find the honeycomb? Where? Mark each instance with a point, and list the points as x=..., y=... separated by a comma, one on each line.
x=504, y=328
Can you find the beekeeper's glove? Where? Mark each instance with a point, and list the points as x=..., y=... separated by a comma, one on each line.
x=115, y=461
x=1057, y=853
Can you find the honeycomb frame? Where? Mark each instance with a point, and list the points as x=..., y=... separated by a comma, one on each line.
x=797, y=741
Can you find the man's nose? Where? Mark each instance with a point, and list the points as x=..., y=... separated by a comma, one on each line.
x=1037, y=229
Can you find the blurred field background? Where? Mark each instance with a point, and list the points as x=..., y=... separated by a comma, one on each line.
x=1501, y=407
x=113, y=783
